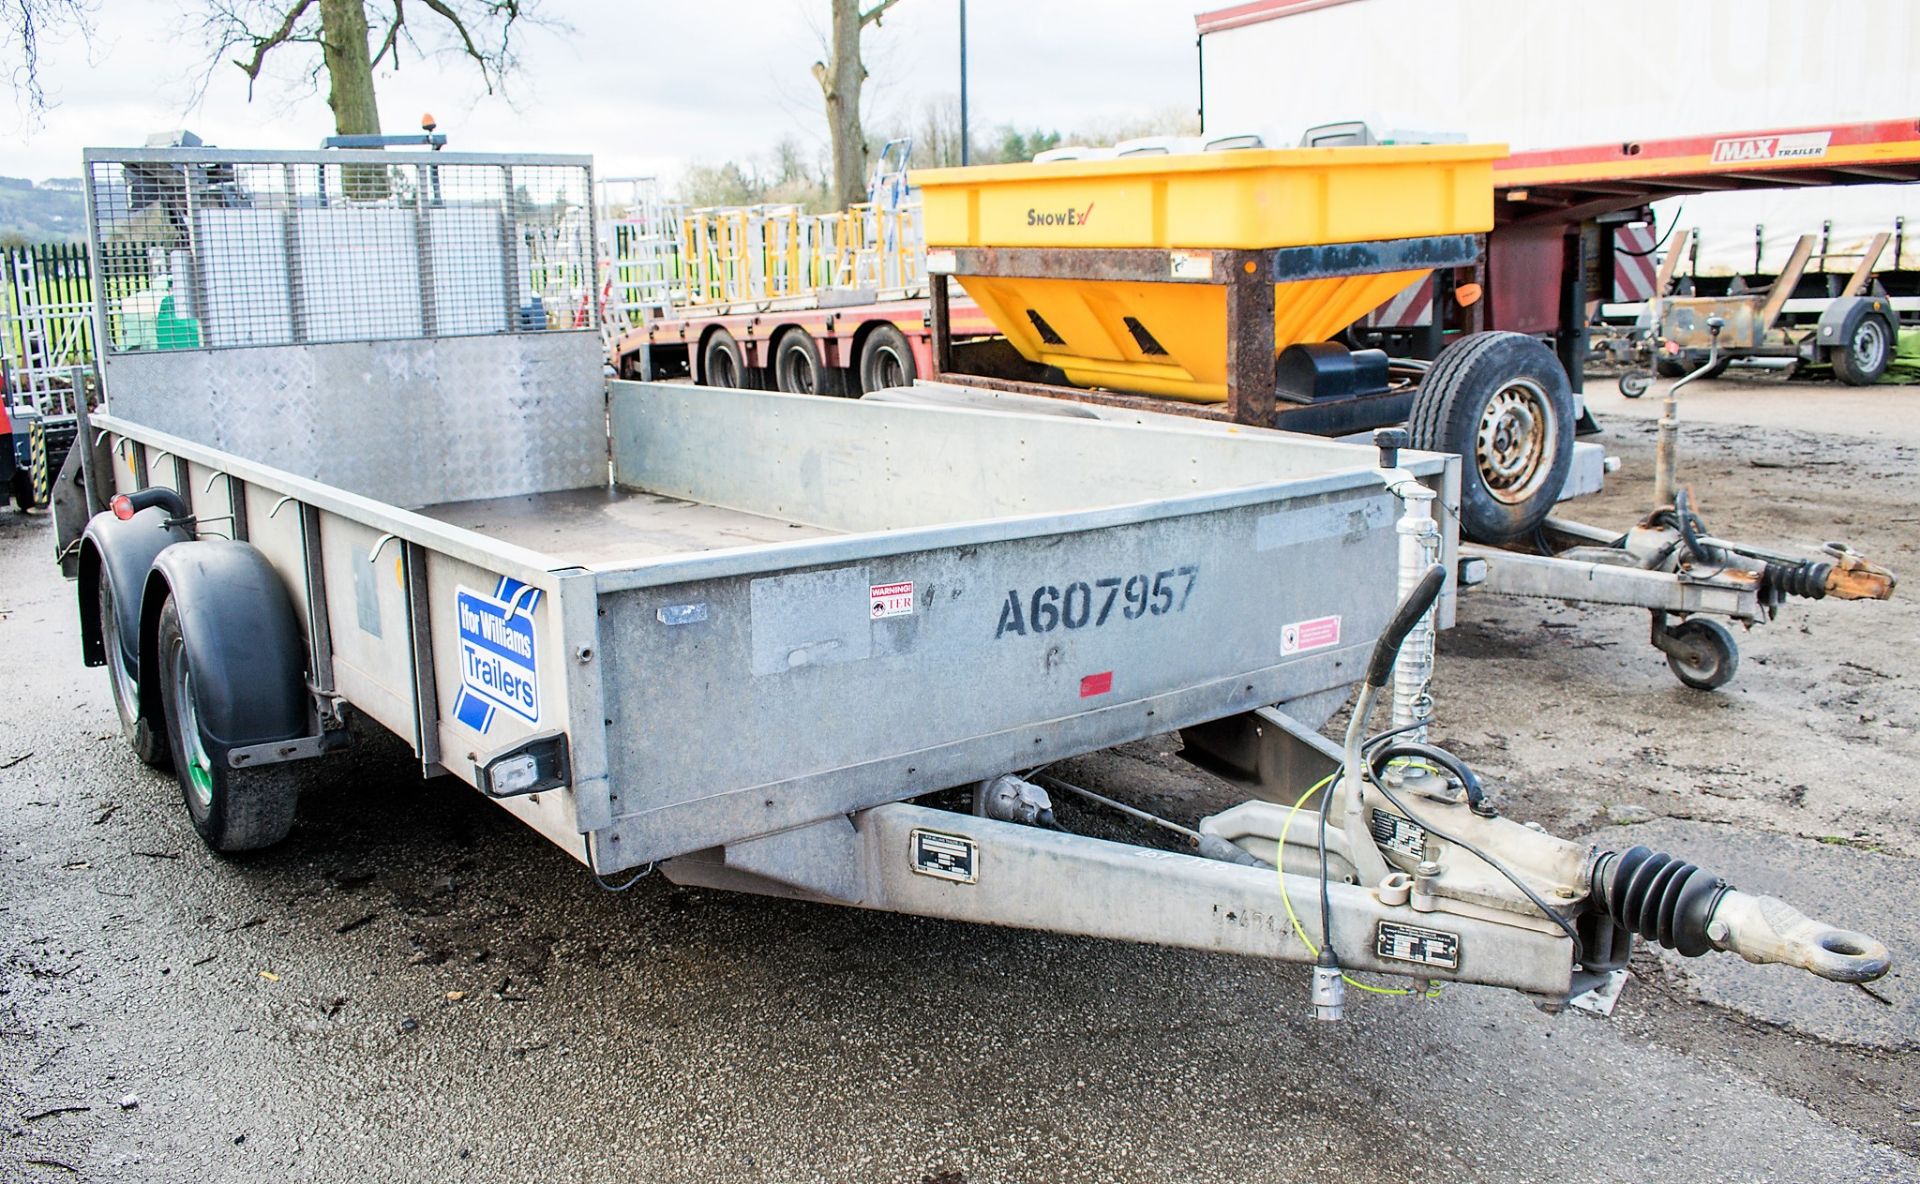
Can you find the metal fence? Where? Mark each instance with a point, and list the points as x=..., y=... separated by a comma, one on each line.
x=46, y=322
x=209, y=249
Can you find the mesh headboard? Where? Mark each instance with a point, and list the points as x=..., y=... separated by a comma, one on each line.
x=418, y=328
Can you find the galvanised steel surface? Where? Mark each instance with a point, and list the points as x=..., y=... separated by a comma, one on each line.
x=978, y=592
x=336, y=314
x=370, y=416
x=1158, y=578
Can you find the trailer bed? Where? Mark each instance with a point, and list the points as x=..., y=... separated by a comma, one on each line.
x=603, y=528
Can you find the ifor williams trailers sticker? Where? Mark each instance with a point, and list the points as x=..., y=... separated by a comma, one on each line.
x=499, y=654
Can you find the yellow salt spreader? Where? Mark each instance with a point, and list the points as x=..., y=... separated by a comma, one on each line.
x=1221, y=286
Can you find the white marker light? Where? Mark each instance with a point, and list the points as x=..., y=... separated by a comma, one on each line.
x=515, y=774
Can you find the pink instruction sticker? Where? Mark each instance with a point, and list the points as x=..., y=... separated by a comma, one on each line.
x=1317, y=634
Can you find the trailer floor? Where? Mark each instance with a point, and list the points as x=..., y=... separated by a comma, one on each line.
x=604, y=527
x=415, y=987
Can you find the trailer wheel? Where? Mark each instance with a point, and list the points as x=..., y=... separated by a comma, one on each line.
x=886, y=360
x=1864, y=358
x=232, y=809
x=796, y=364
x=1635, y=383
x=1501, y=401
x=1704, y=655
x=21, y=490
x=722, y=362
x=148, y=743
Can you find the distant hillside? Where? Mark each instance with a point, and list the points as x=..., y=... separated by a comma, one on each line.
x=52, y=211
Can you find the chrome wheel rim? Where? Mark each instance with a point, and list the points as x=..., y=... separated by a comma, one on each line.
x=199, y=764
x=1516, y=441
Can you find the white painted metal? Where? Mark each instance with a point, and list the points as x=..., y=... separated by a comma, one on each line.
x=1537, y=74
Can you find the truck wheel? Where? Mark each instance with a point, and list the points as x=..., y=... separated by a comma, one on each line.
x=148, y=743
x=21, y=490
x=1705, y=656
x=886, y=360
x=722, y=363
x=1500, y=401
x=796, y=364
x=1864, y=359
x=232, y=809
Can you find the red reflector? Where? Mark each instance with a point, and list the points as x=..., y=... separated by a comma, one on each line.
x=122, y=506
x=1096, y=684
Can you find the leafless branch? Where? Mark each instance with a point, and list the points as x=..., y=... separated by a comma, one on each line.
x=391, y=40
x=27, y=23
x=872, y=15
x=262, y=45
x=487, y=65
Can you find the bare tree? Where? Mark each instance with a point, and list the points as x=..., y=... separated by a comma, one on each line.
x=27, y=23
x=841, y=77
x=354, y=37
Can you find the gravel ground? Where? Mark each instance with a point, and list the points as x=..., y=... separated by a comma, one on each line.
x=414, y=987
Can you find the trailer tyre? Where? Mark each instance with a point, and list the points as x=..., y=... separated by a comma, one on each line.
x=149, y=744
x=796, y=364
x=886, y=360
x=1865, y=356
x=1500, y=401
x=232, y=809
x=722, y=362
x=1704, y=656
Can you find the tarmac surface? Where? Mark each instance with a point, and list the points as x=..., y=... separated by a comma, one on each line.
x=415, y=987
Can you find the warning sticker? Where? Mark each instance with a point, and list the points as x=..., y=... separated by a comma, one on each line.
x=890, y=600
x=1411, y=943
x=945, y=857
x=1317, y=634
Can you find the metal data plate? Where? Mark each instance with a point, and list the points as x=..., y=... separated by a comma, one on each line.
x=945, y=857
x=1417, y=944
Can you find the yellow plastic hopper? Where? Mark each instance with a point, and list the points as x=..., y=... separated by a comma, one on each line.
x=1171, y=338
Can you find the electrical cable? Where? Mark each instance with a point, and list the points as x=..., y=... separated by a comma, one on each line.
x=1390, y=733
x=1540, y=903
x=1433, y=755
x=601, y=880
x=1280, y=865
x=1672, y=225
x=638, y=876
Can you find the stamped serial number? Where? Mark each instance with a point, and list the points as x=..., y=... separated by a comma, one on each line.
x=1089, y=604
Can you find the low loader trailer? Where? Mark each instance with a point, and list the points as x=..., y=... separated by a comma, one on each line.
x=757, y=640
x=1208, y=285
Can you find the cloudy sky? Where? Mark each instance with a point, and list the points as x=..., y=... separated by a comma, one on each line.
x=645, y=85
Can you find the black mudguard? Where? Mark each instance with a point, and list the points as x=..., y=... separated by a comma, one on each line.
x=243, y=639
x=121, y=552
x=1841, y=317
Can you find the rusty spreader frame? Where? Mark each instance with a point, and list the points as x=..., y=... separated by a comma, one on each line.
x=1249, y=277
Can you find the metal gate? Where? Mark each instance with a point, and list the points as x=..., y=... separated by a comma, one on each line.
x=46, y=322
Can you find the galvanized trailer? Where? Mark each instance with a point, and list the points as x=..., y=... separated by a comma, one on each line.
x=745, y=635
